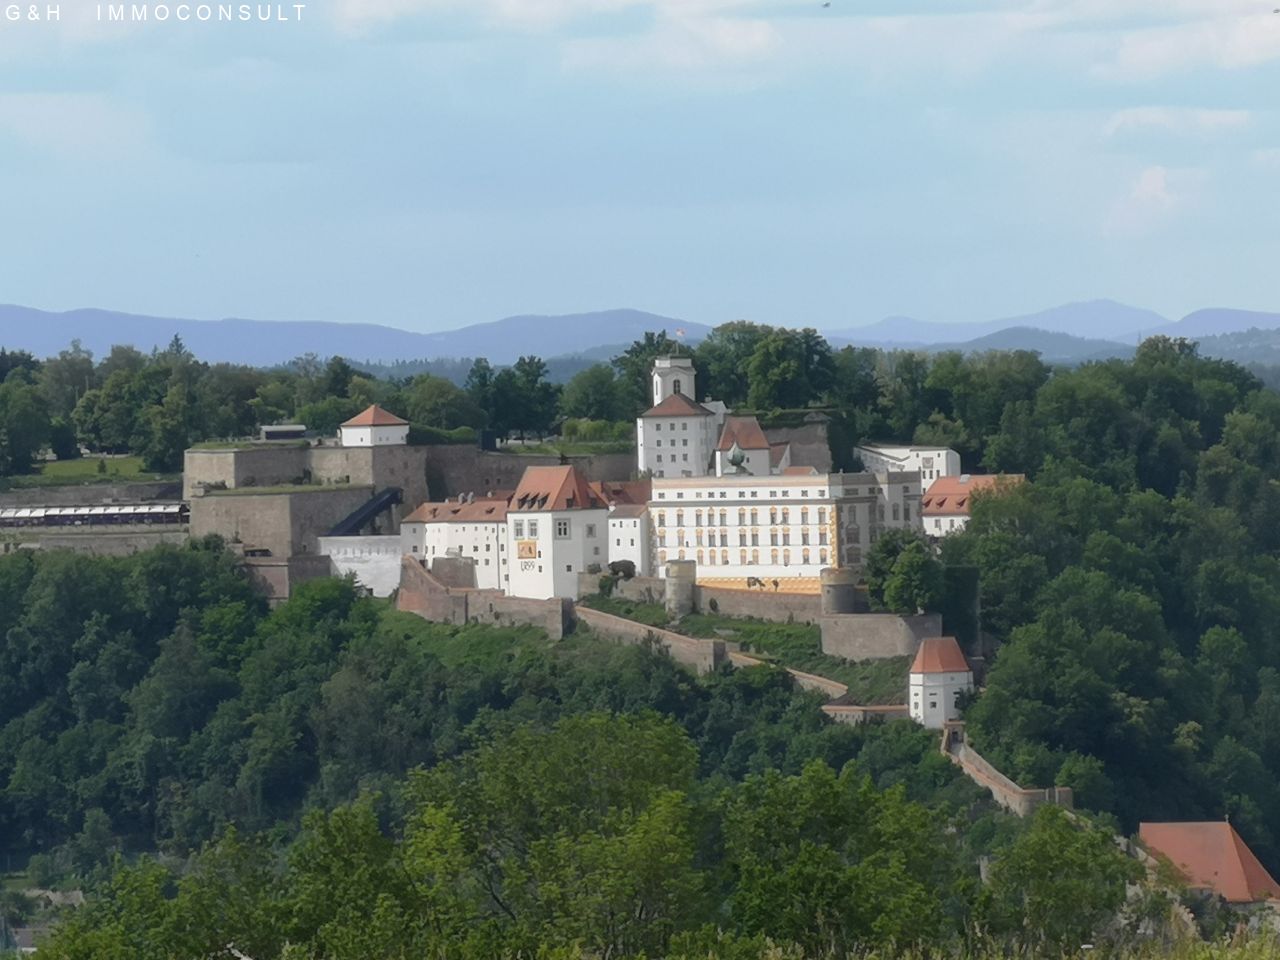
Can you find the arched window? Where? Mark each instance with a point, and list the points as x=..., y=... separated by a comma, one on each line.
x=680, y=555
x=724, y=557
x=679, y=518
x=804, y=514
x=755, y=556
x=804, y=556
x=755, y=518
x=880, y=511
x=773, y=514
x=662, y=556
x=711, y=556
x=742, y=517
x=773, y=556
x=822, y=556
x=699, y=556
x=895, y=512
x=742, y=557
x=698, y=533
x=697, y=518
x=675, y=385
x=724, y=518
x=786, y=558
x=662, y=519
x=822, y=514
x=785, y=514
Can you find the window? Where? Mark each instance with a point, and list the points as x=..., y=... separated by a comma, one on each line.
x=785, y=515
x=657, y=426
x=684, y=457
x=617, y=542
x=724, y=557
x=684, y=425
x=742, y=538
x=679, y=518
x=659, y=458
x=755, y=556
x=711, y=556
x=591, y=529
x=568, y=568
x=786, y=558
x=773, y=537
x=698, y=556
x=822, y=514
x=786, y=537
x=804, y=536
x=675, y=385
x=804, y=514
x=697, y=518
x=755, y=538
x=804, y=556
x=755, y=518
x=906, y=511
x=684, y=442
x=562, y=529
x=662, y=519
x=773, y=514
x=662, y=556
x=822, y=556
x=533, y=528
x=723, y=516
x=895, y=511
x=657, y=443
x=518, y=528
x=742, y=517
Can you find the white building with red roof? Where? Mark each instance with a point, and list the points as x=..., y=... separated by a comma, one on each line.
x=946, y=505
x=557, y=527
x=374, y=427
x=939, y=675
x=676, y=436
x=467, y=529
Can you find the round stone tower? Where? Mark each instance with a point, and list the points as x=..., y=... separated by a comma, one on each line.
x=682, y=577
x=839, y=590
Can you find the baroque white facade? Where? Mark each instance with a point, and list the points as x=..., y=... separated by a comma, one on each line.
x=777, y=527
x=557, y=527
x=631, y=537
x=474, y=530
x=677, y=436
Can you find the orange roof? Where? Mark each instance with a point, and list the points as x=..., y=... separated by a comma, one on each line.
x=951, y=496
x=1211, y=856
x=776, y=452
x=939, y=655
x=628, y=511
x=745, y=432
x=555, y=488
x=677, y=405
x=489, y=510
x=800, y=472
x=375, y=416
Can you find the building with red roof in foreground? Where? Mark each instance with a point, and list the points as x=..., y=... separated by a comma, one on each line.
x=939, y=674
x=944, y=507
x=1212, y=858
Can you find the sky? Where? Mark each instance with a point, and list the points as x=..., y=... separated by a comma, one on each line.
x=428, y=164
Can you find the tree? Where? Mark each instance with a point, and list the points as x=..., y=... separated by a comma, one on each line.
x=595, y=394
x=915, y=583
x=435, y=402
x=881, y=558
x=724, y=356
x=1059, y=882
x=789, y=368
x=635, y=365
x=24, y=424
x=66, y=378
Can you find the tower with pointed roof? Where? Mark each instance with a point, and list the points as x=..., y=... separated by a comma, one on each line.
x=676, y=437
x=939, y=675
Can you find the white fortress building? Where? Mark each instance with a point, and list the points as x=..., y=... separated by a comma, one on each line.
x=469, y=529
x=939, y=675
x=374, y=427
x=785, y=527
x=930, y=462
x=677, y=436
x=557, y=526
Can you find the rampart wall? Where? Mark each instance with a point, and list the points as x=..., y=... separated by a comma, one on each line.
x=1016, y=799
x=429, y=598
x=874, y=636
x=704, y=656
x=91, y=493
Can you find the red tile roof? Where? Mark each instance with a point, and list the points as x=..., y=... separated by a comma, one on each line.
x=489, y=510
x=951, y=496
x=745, y=432
x=375, y=416
x=1211, y=856
x=555, y=488
x=628, y=511
x=776, y=452
x=677, y=405
x=939, y=655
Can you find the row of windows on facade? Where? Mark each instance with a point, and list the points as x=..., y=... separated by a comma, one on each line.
x=684, y=442
x=475, y=548
x=564, y=529
x=742, y=494
x=776, y=515
x=746, y=559
x=933, y=703
x=776, y=537
x=684, y=424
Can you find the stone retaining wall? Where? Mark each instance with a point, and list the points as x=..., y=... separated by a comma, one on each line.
x=876, y=636
x=704, y=656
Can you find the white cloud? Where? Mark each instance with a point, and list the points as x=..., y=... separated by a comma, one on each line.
x=1228, y=42
x=1178, y=120
x=683, y=43
x=1154, y=198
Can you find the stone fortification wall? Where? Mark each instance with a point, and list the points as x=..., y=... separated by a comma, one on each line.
x=373, y=560
x=92, y=493
x=874, y=636
x=458, y=469
x=703, y=656
x=380, y=467
x=278, y=577
x=809, y=444
x=283, y=523
x=761, y=604
x=425, y=595
x=249, y=466
x=1015, y=799
x=115, y=541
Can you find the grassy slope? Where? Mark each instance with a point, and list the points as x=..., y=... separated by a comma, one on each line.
x=57, y=473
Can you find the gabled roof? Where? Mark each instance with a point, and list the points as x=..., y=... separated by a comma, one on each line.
x=939, y=655
x=375, y=416
x=555, y=488
x=776, y=452
x=951, y=496
x=745, y=432
x=489, y=510
x=677, y=405
x=1212, y=856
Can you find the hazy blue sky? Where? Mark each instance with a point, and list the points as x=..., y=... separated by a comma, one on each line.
x=431, y=163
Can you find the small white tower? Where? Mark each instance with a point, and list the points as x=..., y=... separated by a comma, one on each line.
x=939, y=675
x=374, y=427
x=673, y=375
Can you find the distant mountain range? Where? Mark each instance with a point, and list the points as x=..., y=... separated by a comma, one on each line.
x=1068, y=334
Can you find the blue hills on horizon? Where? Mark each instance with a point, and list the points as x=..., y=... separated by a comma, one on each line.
x=1071, y=333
